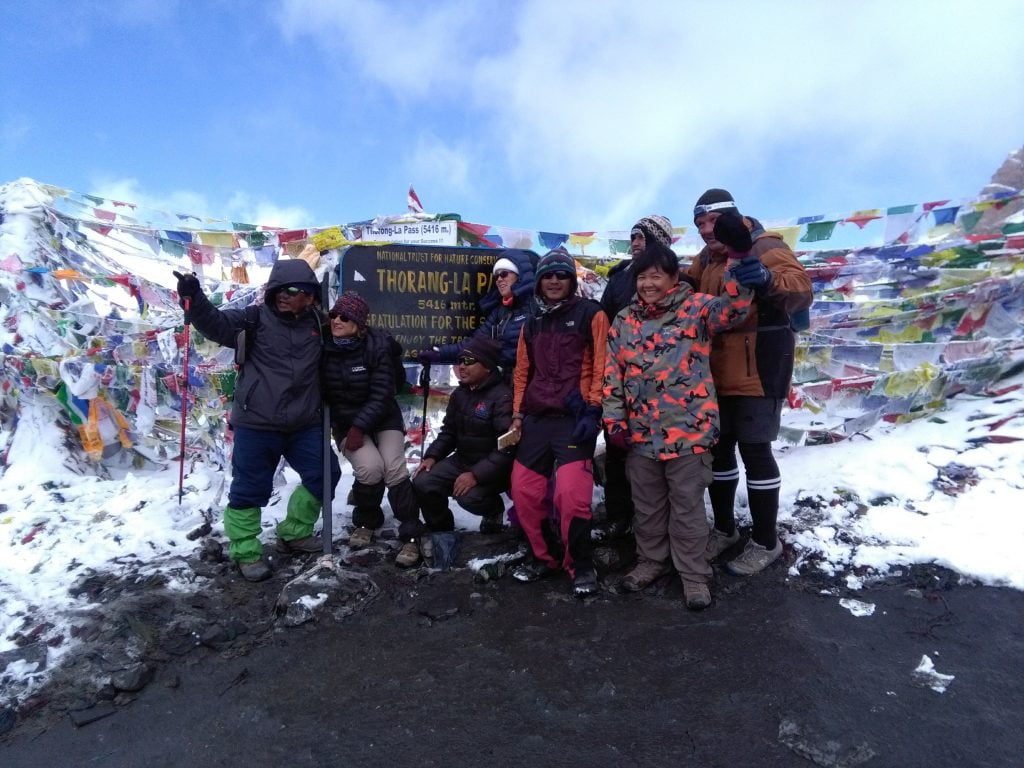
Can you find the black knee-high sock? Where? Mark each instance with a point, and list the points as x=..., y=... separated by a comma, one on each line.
x=725, y=479
x=763, y=484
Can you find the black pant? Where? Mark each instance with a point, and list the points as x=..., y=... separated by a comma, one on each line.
x=434, y=488
x=618, y=496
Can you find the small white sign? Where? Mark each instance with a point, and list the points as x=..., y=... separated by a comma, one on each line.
x=414, y=233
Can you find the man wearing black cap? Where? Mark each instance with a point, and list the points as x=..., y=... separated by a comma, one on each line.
x=464, y=462
x=277, y=410
x=617, y=295
x=752, y=365
x=558, y=379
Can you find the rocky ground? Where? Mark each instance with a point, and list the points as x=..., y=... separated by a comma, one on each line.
x=428, y=668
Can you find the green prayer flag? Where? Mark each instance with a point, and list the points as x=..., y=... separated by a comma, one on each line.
x=1014, y=228
x=172, y=247
x=896, y=209
x=818, y=231
x=970, y=220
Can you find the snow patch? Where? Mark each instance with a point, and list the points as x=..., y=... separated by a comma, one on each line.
x=926, y=675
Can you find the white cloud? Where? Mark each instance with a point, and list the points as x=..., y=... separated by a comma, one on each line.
x=14, y=129
x=408, y=51
x=609, y=103
x=240, y=206
x=129, y=190
x=243, y=208
x=446, y=168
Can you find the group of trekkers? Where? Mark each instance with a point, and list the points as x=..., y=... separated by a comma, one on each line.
x=676, y=366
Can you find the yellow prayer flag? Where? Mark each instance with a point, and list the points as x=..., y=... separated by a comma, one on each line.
x=329, y=238
x=217, y=239
x=790, y=235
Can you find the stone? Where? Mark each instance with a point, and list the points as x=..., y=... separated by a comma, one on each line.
x=84, y=717
x=132, y=679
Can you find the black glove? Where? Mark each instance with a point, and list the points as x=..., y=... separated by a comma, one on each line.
x=731, y=232
x=751, y=273
x=588, y=425
x=188, y=285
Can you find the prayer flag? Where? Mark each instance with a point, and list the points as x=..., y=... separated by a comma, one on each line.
x=818, y=231
x=413, y=201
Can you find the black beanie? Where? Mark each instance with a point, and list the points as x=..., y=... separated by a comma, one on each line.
x=485, y=349
x=556, y=260
x=714, y=200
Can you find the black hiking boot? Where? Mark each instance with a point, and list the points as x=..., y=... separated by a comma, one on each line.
x=532, y=570
x=584, y=584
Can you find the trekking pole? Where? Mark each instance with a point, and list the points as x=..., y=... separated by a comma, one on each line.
x=425, y=386
x=184, y=401
x=328, y=491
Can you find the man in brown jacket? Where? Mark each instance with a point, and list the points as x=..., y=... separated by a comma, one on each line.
x=752, y=365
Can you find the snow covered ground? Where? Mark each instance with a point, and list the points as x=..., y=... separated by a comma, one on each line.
x=945, y=489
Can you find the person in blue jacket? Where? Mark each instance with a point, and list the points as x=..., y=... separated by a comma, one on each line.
x=506, y=307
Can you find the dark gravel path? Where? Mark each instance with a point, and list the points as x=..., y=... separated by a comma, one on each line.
x=446, y=671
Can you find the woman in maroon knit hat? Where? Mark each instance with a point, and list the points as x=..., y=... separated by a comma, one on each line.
x=366, y=421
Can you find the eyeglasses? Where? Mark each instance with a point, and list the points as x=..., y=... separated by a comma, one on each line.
x=338, y=316
x=502, y=274
x=636, y=236
x=467, y=360
x=294, y=290
x=559, y=275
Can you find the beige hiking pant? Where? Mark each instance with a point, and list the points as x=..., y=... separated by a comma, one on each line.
x=670, y=520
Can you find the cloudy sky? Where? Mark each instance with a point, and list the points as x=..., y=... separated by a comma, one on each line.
x=563, y=116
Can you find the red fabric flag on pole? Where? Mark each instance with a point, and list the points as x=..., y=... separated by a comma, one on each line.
x=413, y=201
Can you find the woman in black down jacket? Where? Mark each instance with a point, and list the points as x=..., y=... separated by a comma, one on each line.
x=367, y=425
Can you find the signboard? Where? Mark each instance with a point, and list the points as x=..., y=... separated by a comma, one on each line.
x=414, y=232
x=425, y=296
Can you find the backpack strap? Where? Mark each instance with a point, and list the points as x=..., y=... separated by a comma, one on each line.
x=247, y=335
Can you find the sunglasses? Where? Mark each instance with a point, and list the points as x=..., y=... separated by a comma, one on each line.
x=294, y=290
x=467, y=360
x=559, y=275
x=502, y=274
x=338, y=316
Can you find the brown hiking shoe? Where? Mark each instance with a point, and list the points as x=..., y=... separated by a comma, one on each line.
x=257, y=570
x=754, y=558
x=718, y=542
x=644, y=574
x=408, y=555
x=696, y=594
x=304, y=546
x=359, y=538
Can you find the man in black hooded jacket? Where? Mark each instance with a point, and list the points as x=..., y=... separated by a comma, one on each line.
x=618, y=293
x=277, y=410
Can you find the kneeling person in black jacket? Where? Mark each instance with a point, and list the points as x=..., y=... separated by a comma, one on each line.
x=464, y=462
